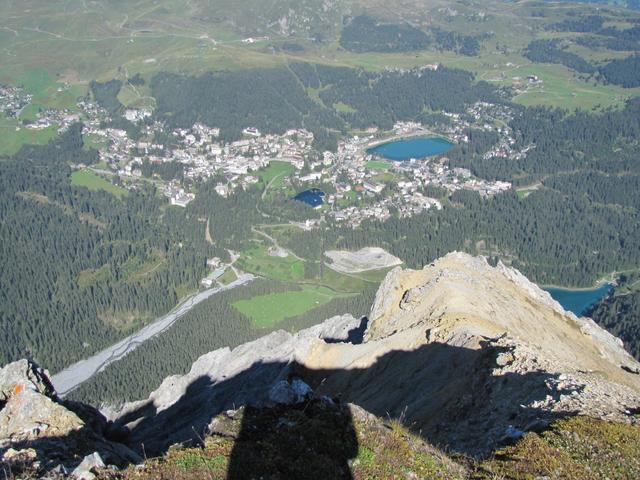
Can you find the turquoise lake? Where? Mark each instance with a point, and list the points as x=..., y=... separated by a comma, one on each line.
x=401, y=150
x=578, y=301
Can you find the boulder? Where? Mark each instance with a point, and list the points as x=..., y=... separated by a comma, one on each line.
x=287, y=393
x=39, y=434
x=24, y=375
x=88, y=467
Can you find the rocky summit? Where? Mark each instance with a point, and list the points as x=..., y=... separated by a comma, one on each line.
x=459, y=356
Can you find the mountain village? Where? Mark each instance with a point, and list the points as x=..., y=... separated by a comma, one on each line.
x=363, y=184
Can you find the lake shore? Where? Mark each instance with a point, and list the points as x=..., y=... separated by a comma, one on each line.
x=418, y=147
x=599, y=283
x=579, y=301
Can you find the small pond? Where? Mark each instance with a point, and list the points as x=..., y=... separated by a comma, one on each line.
x=312, y=197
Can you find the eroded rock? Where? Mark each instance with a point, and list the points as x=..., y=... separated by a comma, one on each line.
x=40, y=435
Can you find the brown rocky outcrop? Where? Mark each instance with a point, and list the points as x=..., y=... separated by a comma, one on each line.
x=40, y=434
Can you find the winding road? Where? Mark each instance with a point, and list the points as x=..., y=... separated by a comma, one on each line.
x=71, y=377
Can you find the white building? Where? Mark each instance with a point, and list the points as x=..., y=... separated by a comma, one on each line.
x=222, y=190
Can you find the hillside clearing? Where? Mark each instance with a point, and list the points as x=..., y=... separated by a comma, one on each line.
x=85, y=178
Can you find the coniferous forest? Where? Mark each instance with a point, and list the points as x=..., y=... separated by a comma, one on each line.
x=80, y=264
x=84, y=268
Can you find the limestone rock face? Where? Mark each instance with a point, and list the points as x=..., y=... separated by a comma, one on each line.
x=29, y=415
x=466, y=354
x=183, y=406
x=21, y=375
x=39, y=434
x=461, y=351
x=460, y=296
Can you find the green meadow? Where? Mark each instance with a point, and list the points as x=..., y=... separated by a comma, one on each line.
x=276, y=170
x=13, y=135
x=88, y=179
x=266, y=311
x=257, y=260
x=378, y=165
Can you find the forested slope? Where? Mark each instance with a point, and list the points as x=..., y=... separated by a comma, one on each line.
x=82, y=267
x=274, y=100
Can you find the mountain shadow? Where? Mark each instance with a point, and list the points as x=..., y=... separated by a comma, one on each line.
x=446, y=394
x=355, y=336
x=455, y=398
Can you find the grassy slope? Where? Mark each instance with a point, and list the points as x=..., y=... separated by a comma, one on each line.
x=578, y=448
x=43, y=49
x=276, y=170
x=266, y=311
x=258, y=261
x=269, y=310
x=227, y=277
x=317, y=442
x=13, y=135
x=85, y=178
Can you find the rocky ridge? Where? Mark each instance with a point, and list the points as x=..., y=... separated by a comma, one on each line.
x=467, y=355
x=461, y=350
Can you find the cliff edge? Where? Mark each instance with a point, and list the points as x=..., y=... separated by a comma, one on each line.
x=461, y=351
x=468, y=357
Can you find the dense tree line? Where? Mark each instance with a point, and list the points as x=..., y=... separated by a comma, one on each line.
x=106, y=95
x=624, y=72
x=165, y=170
x=549, y=51
x=583, y=24
x=230, y=219
x=621, y=189
x=623, y=35
x=119, y=122
x=550, y=237
x=616, y=44
x=620, y=314
x=277, y=99
x=382, y=99
x=468, y=45
x=136, y=80
x=365, y=34
x=563, y=143
x=269, y=99
x=612, y=38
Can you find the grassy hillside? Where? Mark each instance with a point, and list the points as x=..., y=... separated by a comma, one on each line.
x=320, y=441
x=55, y=58
x=266, y=311
x=88, y=179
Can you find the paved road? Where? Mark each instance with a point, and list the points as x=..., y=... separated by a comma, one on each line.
x=71, y=377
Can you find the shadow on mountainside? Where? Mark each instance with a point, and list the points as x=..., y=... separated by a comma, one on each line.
x=40, y=451
x=354, y=336
x=446, y=394
x=314, y=439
